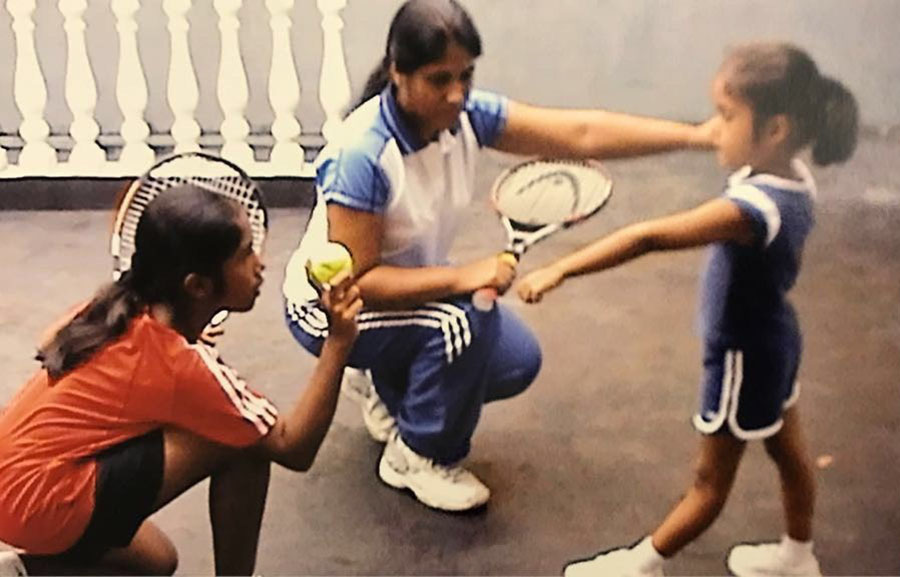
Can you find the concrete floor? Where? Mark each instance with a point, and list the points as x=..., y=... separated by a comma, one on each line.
x=595, y=453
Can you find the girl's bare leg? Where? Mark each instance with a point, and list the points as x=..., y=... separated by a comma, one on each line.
x=714, y=476
x=798, y=486
x=238, y=487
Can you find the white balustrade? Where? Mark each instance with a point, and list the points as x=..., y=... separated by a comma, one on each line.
x=183, y=93
x=30, y=91
x=284, y=92
x=232, y=87
x=36, y=157
x=131, y=92
x=81, y=90
x=334, y=85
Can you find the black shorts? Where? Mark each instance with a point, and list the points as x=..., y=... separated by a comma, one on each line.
x=129, y=476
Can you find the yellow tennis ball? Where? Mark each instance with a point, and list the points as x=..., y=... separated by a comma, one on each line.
x=330, y=265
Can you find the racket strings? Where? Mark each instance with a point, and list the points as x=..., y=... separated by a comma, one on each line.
x=544, y=192
x=199, y=170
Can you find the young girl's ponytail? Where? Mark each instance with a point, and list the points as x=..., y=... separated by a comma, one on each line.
x=836, y=135
x=779, y=78
x=104, y=319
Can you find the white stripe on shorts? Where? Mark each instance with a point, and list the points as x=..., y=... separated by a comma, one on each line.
x=712, y=426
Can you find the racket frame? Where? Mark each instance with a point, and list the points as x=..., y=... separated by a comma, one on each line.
x=521, y=236
x=122, y=210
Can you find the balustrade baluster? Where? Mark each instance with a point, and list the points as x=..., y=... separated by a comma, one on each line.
x=334, y=85
x=284, y=92
x=232, y=86
x=81, y=91
x=183, y=92
x=131, y=92
x=30, y=91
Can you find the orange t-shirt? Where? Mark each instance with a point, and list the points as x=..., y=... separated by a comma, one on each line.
x=149, y=378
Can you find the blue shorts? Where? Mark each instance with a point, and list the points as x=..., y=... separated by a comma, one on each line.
x=747, y=389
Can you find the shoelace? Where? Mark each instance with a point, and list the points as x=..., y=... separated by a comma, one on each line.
x=445, y=472
x=452, y=473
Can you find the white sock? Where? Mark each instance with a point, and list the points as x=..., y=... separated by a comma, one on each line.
x=647, y=555
x=795, y=550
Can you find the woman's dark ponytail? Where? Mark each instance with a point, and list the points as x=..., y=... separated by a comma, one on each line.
x=377, y=81
x=104, y=319
x=836, y=135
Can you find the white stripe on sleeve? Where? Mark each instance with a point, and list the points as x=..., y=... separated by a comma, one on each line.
x=255, y=409
x=761, y=202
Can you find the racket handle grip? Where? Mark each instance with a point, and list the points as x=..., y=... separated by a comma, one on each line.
x=483, y=299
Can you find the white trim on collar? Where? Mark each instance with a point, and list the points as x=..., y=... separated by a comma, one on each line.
x=806, y=184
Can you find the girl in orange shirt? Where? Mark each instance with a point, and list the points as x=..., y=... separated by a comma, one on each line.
x=129, y=409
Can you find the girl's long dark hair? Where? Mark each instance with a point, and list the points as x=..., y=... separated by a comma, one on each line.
x=777, y=78
x=419, y=35
x=183, y=230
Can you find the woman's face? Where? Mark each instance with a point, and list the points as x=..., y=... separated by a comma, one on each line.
x=434, y=94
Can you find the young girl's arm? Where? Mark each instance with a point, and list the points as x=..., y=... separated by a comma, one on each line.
x=295, y=438
x=553, y=132
x=718, y=220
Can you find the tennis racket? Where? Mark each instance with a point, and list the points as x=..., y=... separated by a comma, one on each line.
x=537, y=198
x=199, y=169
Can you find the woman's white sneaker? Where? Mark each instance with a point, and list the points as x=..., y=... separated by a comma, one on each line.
x=357, y=385
x=447, y=488
x=377, y=418
x=773, y=559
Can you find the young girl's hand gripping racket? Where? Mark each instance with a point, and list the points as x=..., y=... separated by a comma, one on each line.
x=536, y=198
x=199, y=169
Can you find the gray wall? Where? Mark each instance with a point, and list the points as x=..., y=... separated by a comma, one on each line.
x=657, y=56
x=643, y=56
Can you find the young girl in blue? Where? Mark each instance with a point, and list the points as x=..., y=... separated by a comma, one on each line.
x=771, y=102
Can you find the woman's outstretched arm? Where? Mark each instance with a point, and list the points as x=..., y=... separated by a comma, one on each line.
x=561, y=133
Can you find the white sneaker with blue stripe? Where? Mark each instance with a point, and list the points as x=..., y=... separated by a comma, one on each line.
x=448, y=488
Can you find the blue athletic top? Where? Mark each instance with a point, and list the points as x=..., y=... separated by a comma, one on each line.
x=379, y=164
x=744, y=297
